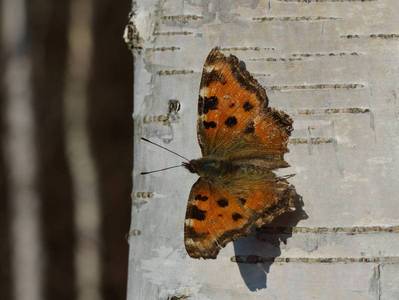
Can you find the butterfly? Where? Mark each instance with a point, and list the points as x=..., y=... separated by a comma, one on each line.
x=242, y=141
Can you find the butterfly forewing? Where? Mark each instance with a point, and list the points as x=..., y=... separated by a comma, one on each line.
x=233, y=113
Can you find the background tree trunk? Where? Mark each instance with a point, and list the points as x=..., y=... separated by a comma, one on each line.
x=5, y=237
x=64, y=113
x=111, y=133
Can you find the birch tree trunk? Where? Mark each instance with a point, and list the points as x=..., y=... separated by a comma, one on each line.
x=333, y=66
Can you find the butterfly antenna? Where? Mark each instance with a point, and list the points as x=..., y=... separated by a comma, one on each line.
x=148, y=141
x=160, y=170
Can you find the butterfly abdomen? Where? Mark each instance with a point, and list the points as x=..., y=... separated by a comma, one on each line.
x=213, y=168
x=253, y=170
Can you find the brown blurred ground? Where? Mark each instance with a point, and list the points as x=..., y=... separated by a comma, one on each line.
x=110, y=95
x=5, y=241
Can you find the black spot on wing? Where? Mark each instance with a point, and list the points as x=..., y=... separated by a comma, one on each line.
x=210, y=124
x=236, y=216
x=231, y=121
x=201, y=197
x=242, y=200
x=250, y=128
x=247, y=106
x=210, y=103
x=223, y=202
x=194, y=212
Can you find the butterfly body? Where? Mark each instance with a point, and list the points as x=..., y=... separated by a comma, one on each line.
x=213, y=168
x=242, y=141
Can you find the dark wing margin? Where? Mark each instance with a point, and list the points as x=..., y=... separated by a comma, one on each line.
x=239, y=71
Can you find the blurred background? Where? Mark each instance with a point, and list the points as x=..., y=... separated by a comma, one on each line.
x=66, y=89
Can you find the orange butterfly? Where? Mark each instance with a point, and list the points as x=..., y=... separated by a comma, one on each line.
x=242, y=140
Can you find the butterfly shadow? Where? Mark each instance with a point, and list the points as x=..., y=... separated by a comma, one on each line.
x=257, y=252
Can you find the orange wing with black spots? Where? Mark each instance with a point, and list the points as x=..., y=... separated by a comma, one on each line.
x=242, y=140
x=219, y=212
x=234, y=114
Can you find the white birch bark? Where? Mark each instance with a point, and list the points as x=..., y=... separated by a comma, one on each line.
x=333, y=66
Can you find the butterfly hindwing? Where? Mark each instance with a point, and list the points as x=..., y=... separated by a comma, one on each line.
x=234, y=114
x=218, y=213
